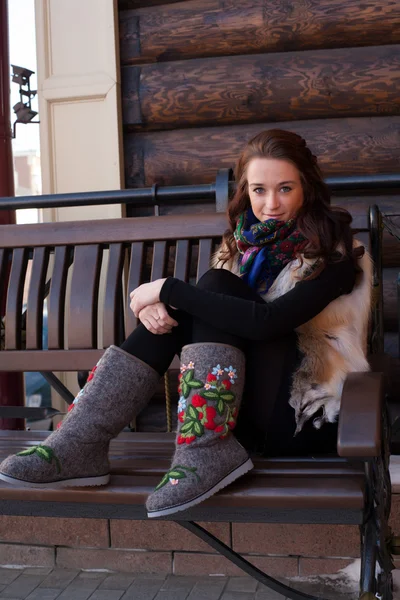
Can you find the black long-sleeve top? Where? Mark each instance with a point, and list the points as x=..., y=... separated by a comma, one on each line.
x=262, y=321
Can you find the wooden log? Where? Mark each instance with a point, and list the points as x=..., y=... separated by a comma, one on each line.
x=180, y=157
x=134, y=4
x=344, y=82
x=204, y=28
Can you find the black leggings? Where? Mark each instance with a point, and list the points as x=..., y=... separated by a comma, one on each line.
x=158, y=351
x=266, y=422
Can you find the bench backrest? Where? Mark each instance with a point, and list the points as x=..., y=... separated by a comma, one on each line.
x=90, y=267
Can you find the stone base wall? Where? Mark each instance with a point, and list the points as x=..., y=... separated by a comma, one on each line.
x=164, y=547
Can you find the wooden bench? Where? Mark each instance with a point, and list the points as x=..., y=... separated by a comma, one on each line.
x=115, y=256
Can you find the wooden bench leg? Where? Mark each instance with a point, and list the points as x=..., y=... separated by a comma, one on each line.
x=245, y=565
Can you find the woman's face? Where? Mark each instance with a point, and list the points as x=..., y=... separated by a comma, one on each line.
x=275, y=189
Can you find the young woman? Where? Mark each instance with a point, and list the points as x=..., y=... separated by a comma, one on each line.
x=279, y=321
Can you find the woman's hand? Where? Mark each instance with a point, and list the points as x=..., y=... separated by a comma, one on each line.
x=144, y=295
x=156, y=319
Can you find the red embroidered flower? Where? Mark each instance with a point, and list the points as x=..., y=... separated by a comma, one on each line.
x=180, y=376
x=185, y=440
x=198, y=401
x=211, y=377
x=179, y=389
x=91, y=374
x=227, y=384
x=219, y=429
x=208, y=419
x=181, y=416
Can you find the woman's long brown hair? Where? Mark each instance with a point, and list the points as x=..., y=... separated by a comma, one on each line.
x=324, y=226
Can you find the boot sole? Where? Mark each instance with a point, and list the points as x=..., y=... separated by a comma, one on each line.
x=244, y=468
x=78, y=482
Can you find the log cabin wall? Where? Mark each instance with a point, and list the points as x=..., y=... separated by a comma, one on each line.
x=201, y=77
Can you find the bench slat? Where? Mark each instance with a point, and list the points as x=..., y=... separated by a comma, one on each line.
x=197, y=226
x=134, y=278
x=181, y=260
x=203, y=263
x=158, y=262
x=56, y=299
x=14, y=299
x=34, y=313
x=82, y=323
x=113, y=296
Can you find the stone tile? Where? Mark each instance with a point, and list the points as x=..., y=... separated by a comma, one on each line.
x=307, y=540
x=38, y=571
x=8, y=575
x=237, y=596
x=29, y=556
x=172, y=595
x=59, y=578
x=266, y=594
x=241, y=584
x=74, y=594
x=182, y=582
x=208, y=590
x=106, y=595
x=117, y=581
x=115, y=560
x=322, y=566
x=22, y=586
x=143, y=589
x=211, y=564
x=163, y=535
x=87, y=581
x=44, y=594
x=52, y=531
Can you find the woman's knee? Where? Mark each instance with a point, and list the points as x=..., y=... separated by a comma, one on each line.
x=217, y=280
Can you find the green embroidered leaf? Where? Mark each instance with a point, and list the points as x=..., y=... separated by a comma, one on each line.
x=185, y=389
x=227, y=396
x=220, y=406
x=195, y=384
x=27, y=452
x=192, y=412
x=198, y=429
x=210, y=395
x=176, y=474
x=187, y=427
x=188, y=376
x=191, y=469
x=163, y=482
x=45, y=452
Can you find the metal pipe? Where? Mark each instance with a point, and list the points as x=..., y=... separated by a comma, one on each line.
x=180, y=194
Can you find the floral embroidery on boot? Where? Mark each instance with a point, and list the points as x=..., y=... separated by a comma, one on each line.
x=43, y=452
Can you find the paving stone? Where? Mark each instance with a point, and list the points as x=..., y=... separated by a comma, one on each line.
x=38, y=570
x=174, y=582
x=241, y=584
x=59, y=578
x=117, y=581
x=172, y=595
x=74, y=594
x=7, y=576
x=142, y=589
x=106, y=595
x=44, y=594
x=238, y=596
x=87, y=581
x=267, y=594
x=22, y=586
x=207, y=590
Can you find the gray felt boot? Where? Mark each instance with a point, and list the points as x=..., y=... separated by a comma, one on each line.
x=207, y=456
x=76, y=454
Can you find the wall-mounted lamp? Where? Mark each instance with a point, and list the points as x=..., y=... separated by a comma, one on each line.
x=23, y=109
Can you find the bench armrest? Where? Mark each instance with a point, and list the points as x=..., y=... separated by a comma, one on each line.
x=360, y=418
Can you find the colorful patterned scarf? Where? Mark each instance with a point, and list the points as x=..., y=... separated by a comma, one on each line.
x=265, y=248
